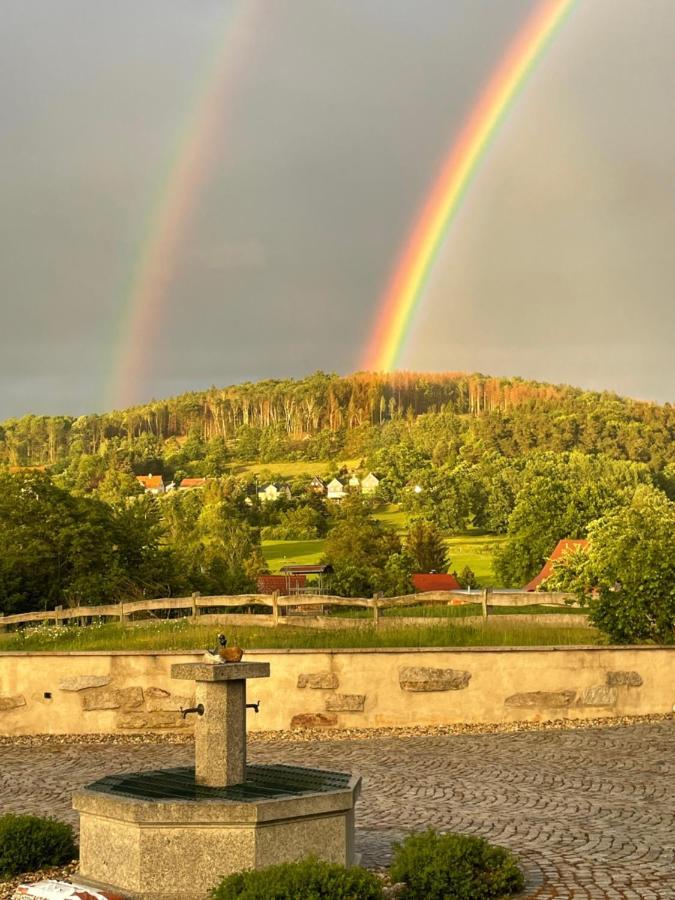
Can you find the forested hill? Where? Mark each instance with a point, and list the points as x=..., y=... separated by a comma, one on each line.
x=323, y=415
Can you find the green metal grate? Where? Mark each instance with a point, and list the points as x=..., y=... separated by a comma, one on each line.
x=262, y=783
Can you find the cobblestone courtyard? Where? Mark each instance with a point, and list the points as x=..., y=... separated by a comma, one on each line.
x=590, y=813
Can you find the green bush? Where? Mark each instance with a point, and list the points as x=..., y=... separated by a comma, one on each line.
x=29, y=843
x=310, y=879
x=454, y=867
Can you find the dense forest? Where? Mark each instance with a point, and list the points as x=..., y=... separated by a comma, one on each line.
x=326, y=415
x=534, y=462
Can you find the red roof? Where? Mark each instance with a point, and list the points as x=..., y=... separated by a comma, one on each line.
x=150, y=482
x=441, y=581
x=268, y=584
x=192, y=483
x=562, y=547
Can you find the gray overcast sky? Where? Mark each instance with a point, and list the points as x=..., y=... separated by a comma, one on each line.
x=560, y=266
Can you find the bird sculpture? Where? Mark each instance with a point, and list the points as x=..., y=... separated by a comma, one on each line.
x=225, y=653
x=220, y=646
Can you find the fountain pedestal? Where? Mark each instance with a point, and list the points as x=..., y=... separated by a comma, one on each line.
x=172, y=834
x=220, y=731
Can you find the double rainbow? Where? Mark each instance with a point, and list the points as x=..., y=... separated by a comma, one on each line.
x=416, y=263
x=142, y=312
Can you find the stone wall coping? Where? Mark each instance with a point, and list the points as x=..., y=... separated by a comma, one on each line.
x=335, y=651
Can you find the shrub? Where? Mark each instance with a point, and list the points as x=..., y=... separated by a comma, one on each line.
x=454, y=867
x=310, y=879
x=29, y=843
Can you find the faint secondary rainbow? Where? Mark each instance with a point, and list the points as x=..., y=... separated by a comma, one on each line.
x=188, y=169
x=415, y=265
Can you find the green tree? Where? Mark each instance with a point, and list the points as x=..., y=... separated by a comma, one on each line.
x=359, y=546
x=628, y=574
x=425, y=544
x=561, y=494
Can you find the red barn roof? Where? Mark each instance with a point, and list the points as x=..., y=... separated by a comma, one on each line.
x=188, y=483
x=268, y=584
x=441, y=581
x=562, y=547
x=151, y=482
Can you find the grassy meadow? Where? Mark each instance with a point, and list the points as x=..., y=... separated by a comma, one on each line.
x=472, y=548
x=181, y=634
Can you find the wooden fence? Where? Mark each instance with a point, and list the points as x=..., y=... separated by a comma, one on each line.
x=284, y=607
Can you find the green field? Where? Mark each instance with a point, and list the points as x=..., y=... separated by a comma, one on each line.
x=293, y=469
x=390, y=514
x=180, y=634
x=279, y=553
x=475, y=550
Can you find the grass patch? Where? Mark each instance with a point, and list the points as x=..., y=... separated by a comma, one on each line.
x=280, y=553
x=180, y=634
x=476, y=550
x=390, y=514
x=294, y=468
x=443, y=611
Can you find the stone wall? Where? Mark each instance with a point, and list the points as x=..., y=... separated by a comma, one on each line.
x=127, y=692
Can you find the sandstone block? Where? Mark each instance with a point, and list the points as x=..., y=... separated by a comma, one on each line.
x=12, y=702
x=548, y=699
x=137, y=721
x=168, y=703
x=121, y=698
x=314, y=720
x=156, y=693
x=323, y=681
x=630, y=679
x=422, y=678
x=599, y=695
x=345, y=702
x=83, y=682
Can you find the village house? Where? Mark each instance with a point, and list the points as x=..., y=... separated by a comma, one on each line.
x=335, y=490
x=317, y=485
x=189, y=484
x=562, y=548
x=370, y=484
x=152, y=484
x=274, y=491
x=354, y=484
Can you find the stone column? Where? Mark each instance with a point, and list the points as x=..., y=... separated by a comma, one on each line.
x=220, y=733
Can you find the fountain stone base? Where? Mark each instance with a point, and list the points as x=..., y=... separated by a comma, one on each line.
x=159, y=834
x=173, y=834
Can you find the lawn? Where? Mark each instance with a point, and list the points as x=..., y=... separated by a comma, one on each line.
x=180, y=634
x=279, y=553
x=475, y=549
x=292, y=469
x=390, y=514
x=472, y=548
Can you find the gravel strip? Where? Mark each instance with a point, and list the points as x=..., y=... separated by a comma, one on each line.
x=346, y=734
x=64, y=873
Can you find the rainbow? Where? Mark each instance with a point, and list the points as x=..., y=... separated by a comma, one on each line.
x=412, y=272
x=188, y=168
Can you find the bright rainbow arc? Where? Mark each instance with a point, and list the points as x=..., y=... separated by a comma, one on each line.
x=415, y=266
x=186, y=174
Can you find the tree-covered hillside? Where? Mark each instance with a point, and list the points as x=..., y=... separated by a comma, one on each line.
x=534, y=463
x=324, y=416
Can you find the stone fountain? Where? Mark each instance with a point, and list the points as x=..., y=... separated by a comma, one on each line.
x=174, y=833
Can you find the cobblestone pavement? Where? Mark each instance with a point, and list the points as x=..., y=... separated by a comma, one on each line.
x=591, y=814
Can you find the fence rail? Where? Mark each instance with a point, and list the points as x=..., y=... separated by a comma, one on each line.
x=290, y=603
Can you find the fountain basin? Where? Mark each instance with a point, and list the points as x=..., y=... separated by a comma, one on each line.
x=163, y=834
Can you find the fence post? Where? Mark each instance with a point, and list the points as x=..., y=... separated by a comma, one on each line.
x=275, y=607
x=2, y=624
x=123, y=617
x=376, y=609
x=57, y=615
x=195, y=608
x=484, y=603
